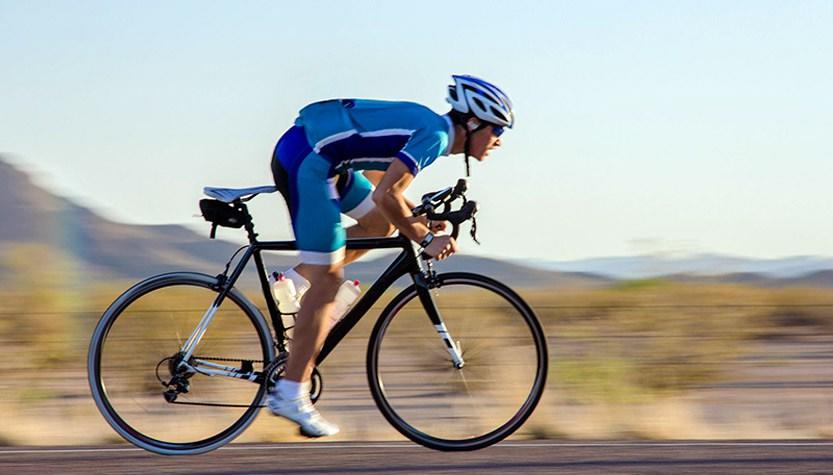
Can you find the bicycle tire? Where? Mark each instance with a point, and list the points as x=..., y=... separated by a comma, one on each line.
x=188, y=283
x=413, y=401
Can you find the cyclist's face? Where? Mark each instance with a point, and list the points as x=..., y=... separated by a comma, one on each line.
x=482, y=141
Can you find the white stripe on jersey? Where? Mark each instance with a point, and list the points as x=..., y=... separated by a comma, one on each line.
x=349, y=133
x=333, y=138
x=386, y=132
x=370, y=159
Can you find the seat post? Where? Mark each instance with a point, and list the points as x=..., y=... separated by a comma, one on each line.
x=250, y=225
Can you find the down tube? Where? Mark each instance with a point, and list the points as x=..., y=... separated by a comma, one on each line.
x=403, y=264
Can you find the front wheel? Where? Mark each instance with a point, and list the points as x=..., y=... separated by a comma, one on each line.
x=155, y=398
x=482, y=397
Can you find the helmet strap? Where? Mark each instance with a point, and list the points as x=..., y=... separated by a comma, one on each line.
x=466, y=151
x=469, y=132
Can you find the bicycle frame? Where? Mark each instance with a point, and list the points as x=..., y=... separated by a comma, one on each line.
x=405, y=263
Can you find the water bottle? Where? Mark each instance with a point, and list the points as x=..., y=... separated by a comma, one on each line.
x=347, y=293
x=283, y=290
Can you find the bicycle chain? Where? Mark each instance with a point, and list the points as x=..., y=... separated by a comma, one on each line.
x=268, y=367
x=217, y=358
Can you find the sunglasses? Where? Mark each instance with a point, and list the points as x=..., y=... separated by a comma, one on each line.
x=496, y=130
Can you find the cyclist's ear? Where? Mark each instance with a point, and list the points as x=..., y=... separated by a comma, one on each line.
x=472, y=123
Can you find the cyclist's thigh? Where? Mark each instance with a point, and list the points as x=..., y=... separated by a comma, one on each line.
x=316, y=216
x=290, y=152
x=356, y=194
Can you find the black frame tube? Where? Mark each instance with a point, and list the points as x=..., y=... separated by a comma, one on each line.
x=405, y=263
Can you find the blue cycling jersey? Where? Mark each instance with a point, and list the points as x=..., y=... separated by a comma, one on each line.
x=363, y=134
x=341, y=137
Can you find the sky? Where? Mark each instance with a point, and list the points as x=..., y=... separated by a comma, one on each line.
x=642, y=126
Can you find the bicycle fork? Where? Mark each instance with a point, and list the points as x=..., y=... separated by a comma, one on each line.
x=453, y=347
x=430, y=306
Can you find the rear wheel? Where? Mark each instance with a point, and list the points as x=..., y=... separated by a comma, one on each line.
x=144, y=392
x=420, y=391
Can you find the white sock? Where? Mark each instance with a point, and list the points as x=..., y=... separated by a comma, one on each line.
x=292, y=389
x=301, y=284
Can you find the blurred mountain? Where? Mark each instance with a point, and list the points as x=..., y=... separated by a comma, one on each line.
x=104, y=249
x=815, y=279
x=642, y=267
x=100, y=247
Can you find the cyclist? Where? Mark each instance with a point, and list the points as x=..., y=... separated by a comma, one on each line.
x=328, y=164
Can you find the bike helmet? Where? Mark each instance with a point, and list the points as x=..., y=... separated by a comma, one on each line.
x=472, y=96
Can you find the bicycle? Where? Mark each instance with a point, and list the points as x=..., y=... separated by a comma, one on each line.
x=448, y=377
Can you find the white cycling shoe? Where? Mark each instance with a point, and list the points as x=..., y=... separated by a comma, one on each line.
x=302, y=412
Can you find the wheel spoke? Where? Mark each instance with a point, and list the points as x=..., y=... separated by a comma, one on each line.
x=133, y=338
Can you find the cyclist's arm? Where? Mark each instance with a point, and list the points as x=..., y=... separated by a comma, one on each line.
x=375, y=176
x=390, y=199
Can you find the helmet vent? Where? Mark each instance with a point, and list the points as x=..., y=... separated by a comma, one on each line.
x=500, y=114
x=473, y=96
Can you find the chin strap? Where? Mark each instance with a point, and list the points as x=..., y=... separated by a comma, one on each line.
x=468, y=140
x=466, y=149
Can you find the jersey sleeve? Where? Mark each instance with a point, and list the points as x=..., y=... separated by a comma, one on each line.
x=422, y=149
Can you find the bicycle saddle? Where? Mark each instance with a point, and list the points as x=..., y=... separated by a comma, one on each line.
x=227, y=195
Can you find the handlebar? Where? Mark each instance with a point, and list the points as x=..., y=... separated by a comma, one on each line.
x=444, y=198
x=465, y=213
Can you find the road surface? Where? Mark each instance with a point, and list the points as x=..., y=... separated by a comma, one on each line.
x=759, y=458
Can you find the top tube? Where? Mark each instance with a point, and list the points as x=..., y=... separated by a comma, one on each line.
x=396, y=242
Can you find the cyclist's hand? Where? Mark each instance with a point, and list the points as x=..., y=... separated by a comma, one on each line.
x=434, y=226
x=437, y=226
x=441, y=247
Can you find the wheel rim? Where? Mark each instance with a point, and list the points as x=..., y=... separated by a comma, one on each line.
x=152, y=325
x=428, y=400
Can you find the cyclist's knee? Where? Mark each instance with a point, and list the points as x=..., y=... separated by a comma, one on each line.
x=325, y=277
x=375, y=223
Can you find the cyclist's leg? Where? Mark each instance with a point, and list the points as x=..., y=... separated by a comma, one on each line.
x=316, y=219
x=355, y=192
x=312, y=324
x=373, y=224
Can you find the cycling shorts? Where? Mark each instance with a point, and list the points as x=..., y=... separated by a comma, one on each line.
x=316, y=197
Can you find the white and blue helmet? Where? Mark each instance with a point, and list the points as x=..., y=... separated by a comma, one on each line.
x=470, y=95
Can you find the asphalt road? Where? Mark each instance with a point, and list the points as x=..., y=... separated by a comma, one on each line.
x=770, y=457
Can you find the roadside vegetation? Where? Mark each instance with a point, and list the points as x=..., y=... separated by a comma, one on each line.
x=649, y=339
x=633, y=343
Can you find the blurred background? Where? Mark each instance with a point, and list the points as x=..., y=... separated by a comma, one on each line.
x=663, y=203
